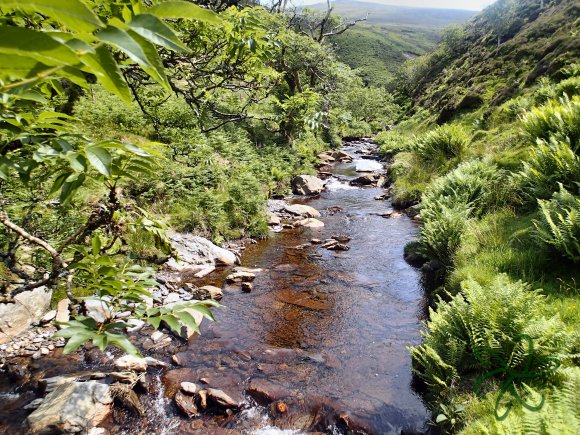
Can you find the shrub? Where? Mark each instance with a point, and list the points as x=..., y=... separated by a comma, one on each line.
x=479, y=330
x=559, y=415
x=443, y=143
x=550, y=163
x=443, y=225
x=559, y=224
x=391, y=143
x=470, y=190
x=570, y=87
x=560, y=119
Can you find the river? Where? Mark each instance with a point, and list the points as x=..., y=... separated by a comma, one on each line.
x=327, y=330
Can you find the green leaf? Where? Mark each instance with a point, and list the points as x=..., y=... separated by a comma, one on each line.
x=441, y=418
x=204, y=310
x=75, y=341
x=72, y=13
x=154, y=321
x=14, y=67
x=172, y=322
x=188, y=320
x=103, y=66
x=183, y=9
x=101, y=341
x=36, y=45
x=139, y=50
x=96, y=244
x=153, y=29
x=100, y=159
x=123, y=343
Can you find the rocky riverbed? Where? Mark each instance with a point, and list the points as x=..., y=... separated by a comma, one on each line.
x=312, y=335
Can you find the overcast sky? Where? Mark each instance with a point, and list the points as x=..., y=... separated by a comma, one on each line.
x=474, y=5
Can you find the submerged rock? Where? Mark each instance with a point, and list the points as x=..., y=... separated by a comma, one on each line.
x=71, y=408
x=307, y=185
x=265, y=392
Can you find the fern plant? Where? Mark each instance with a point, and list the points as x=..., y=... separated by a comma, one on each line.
x=469, y=191
x=478, y=331
x=550, y=163
x=443, y=143
x=559, y=224
x=560, y=119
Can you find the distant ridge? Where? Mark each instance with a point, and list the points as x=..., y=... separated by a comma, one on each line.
x=404, y=15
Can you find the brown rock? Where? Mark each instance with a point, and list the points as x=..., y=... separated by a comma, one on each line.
x=247, y=287
x=186, y=404
x=265, y=392
x=220, y=398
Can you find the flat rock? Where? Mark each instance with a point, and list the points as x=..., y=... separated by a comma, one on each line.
x=311, y=223
x=189, y=388
x=302, y=210
x=238, y=277
x=205, y=292
x=70, y=408
x=273, y=219
x=220, y=398
x=131, y=362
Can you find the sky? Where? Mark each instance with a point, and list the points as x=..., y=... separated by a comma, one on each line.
x=474, y=5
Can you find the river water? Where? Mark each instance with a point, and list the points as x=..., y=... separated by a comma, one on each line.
x=326, y=330
x=329, y=328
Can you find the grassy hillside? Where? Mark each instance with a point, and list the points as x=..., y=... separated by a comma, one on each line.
x=390, y=36
x=377, y=50
x=537, y=42
x=497, y=188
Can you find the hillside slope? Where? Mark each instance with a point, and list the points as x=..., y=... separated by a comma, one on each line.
x=537, y=42
x=390, y=35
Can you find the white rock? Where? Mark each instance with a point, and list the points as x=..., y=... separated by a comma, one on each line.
x=189, y=387
x=311, y=223
x=131, y=362
x=302, y=210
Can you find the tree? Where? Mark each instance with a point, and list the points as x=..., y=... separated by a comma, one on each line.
x=44, y=163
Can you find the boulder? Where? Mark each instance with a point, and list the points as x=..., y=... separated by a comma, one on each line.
x=71, y=407
x=311, y=223
x=326, y=158
x=189, y=388
x=247, y=287
x=194, y=251
x=307, y=185
x=29, y=307
x=62, y=311
x=342, y=156
x=273, y=219
x=365, y=180
x=302, y=210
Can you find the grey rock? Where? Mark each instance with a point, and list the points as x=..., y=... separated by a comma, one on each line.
x=71, y=408
x=29, y=307
x=307, y=185
x=302, y=210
